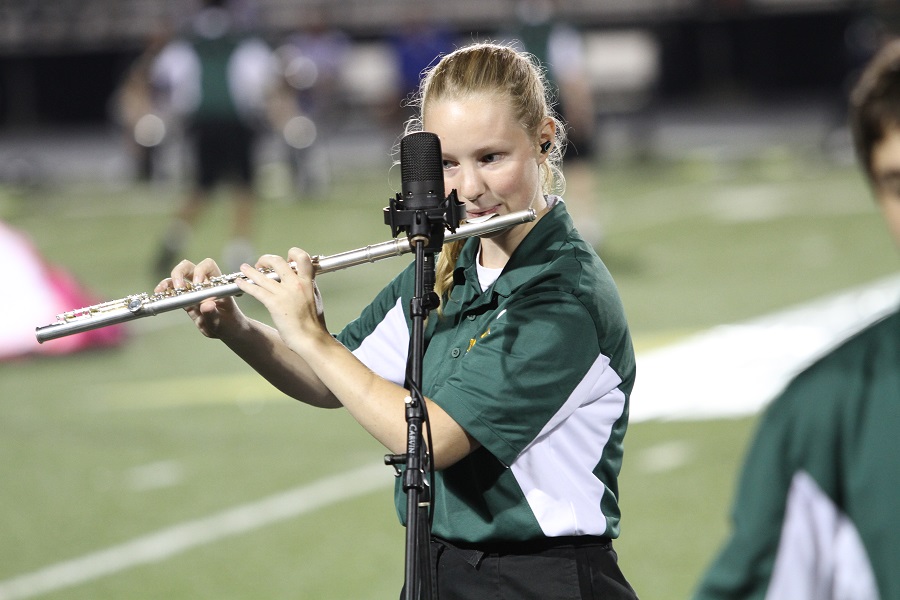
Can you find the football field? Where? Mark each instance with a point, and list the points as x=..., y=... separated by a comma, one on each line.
x=163, y=468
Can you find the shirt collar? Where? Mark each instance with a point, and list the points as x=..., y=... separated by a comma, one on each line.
x=531, y=256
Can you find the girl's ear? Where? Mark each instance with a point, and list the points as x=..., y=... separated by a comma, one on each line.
x=547, y=135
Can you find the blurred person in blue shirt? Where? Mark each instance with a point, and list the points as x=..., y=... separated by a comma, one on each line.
x=417, y=46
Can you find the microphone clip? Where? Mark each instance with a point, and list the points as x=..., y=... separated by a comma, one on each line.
x=428, y=223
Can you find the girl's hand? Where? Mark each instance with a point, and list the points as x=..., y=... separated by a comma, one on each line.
x=293, y=300
x=214, y=317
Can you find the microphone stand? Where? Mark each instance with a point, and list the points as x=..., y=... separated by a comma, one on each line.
x=426, y=235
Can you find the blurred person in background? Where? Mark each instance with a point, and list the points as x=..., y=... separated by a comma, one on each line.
x=217, y=77
x=559, y=46
x=528, y=366
x=815, y=515
x=416, y=46
x=309, y=107
x=136, y=108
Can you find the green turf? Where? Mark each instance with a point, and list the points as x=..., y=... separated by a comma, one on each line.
x=691, y=244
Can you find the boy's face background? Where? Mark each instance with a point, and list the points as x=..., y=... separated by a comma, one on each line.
x=886, y=180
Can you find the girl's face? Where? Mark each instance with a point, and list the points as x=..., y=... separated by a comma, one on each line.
x=489, y=159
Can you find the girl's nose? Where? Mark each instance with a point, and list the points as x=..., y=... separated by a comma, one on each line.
x=471, y=185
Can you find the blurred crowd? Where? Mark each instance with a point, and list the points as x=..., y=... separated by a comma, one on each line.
x=216, y=86
x=321, y=78
x=315, y=81
x=212, y=95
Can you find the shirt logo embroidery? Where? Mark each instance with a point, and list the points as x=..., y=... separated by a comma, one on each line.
x=485, y=334
x=473, y=340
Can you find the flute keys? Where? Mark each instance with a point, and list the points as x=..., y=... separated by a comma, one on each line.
x=135, y=303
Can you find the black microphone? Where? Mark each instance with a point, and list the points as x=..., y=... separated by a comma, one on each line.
x=422, y=171
x=420, y=208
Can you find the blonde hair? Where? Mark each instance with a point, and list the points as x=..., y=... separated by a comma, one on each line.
x=510, y=75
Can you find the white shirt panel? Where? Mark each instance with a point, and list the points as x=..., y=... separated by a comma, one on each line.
x=555, y=471
x=820, y=554
x=385, y=350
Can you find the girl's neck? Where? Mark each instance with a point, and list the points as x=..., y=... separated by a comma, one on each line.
x=496, y=250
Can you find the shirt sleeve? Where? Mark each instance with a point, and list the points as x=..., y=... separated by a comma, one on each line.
x=177, y=71
x=379, y=337
x=799, y=432
x=520, y=375
x=744, y=565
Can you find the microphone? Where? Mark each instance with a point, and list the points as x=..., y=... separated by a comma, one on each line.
x=422, y=171
x=421, y=209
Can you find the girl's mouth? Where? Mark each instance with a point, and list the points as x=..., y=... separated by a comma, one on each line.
x=481, y=216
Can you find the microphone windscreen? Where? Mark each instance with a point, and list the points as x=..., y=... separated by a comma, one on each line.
x=421, y=166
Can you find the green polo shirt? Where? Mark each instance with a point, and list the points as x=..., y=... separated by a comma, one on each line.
x=815, y=513
x=538, y=368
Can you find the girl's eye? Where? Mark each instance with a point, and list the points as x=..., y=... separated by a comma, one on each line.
x=489, y=158
x=447, y=164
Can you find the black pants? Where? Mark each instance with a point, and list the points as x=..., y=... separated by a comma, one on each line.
x=577, y=568
x=223, y=151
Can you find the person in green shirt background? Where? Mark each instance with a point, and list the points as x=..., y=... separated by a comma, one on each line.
x=815, y=515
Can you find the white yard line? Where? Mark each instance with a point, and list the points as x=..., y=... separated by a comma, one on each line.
x=164, y=544
x=735, y=370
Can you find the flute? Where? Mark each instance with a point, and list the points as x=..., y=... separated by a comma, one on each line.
x=140, y=305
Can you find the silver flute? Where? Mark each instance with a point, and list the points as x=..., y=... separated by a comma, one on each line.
x=146, y=305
